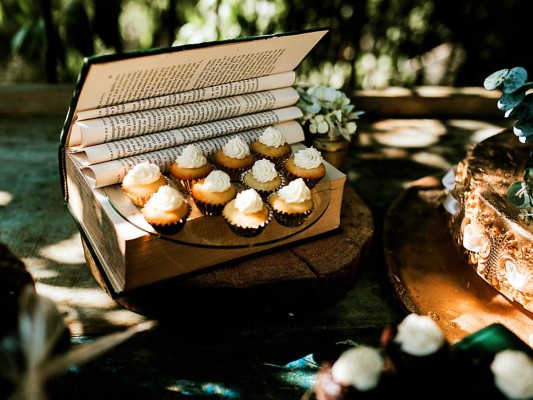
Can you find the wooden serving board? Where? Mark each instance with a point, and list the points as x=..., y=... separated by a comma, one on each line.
x=431, y=276
x=300, y=275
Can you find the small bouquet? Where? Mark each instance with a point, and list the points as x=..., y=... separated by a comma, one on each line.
x=327, y=111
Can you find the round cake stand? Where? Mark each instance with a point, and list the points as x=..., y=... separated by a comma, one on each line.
x=300, y=275
x=432, y=277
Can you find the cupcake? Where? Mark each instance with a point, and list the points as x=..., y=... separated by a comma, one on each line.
x=271, y=145
x=166, y=210
x=190, y=166
x=234, y=158
x=306, y=164
x=263, y=177
x=292, y=204
x=418, y=353
x=142, y=181
x=358, y=373
x=247, y=215
x=213, y=192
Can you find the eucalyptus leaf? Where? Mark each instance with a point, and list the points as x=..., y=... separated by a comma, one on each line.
x=524, y=110
x=518, y=195
x=514, y=80
x=509, y=101
x=525, y=127
x=494, y=80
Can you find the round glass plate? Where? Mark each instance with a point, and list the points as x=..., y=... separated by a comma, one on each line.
x=204, y=231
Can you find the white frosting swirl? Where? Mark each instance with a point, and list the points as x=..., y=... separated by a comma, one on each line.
x=419, y=335
x=248, y=201
x=143, y=174
x=295, y=192
x=191, y=157
x=513, y=374
x=272, y=137
x=264, y=170
x=236, y=148
x=217, y=181
x=308, y=158
x=360, y=367
x=166, y=199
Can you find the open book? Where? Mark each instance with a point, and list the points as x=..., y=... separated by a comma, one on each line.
x=146, y=106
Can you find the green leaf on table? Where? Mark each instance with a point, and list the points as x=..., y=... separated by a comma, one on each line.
x=518, y=195
x=514, y=80
x=494, y=80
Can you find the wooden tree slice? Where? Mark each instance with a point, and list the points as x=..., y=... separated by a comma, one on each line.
x=289, y=278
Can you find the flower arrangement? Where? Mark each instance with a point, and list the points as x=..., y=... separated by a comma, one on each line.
x=517, y=102
x=327, y=111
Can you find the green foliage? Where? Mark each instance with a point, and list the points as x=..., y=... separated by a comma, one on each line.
x=517, y=103
x=373, y=43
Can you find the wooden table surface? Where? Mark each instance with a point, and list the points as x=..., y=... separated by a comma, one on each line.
x=262, y=356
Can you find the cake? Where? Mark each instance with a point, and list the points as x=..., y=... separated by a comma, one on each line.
x=489, y=198
x=190, y=166
x=247, y=215
x=263, y=177
x=414, y=360
x=142, y=181
x=306, y=164
x=213, y=192
x=166, y=211
x=292, y=204
x=271, y=145
x=494, y=237
x=234, y=158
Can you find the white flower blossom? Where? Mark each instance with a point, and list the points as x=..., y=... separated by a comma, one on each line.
x=327, y=111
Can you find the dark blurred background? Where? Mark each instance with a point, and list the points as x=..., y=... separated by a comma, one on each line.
x=373, y=44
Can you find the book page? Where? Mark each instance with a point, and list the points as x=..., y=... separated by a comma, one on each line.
x=276, y=81
x=112, y=172
x=110, y=81
x=161, y=140
x=111, y=128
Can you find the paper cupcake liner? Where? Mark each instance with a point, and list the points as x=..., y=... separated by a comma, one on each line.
x=263, y=193
x=210, y=210
x=249, y=232
x=291, y=220
x=310, y=182
x=172, y=228
x=234, y=173
x=277, y=161
x=185, y=185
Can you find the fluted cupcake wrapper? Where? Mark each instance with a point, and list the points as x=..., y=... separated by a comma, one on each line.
x=263, y=193
x=170, y=229
x=291, y=219
x=277, y=161
x=234, y=173
x=310, y=182
x=186, y=184
x=248, y=231
x=210, y=210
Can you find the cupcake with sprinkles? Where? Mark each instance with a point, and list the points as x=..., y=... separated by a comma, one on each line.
x=234, y=158
x=247, y=215
x=166, y=211
x=190, y=166
x=142, y=181
x=306, y=164
x=213, y=193
x=271, y=145
x=292, y=204
x=263, y=177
